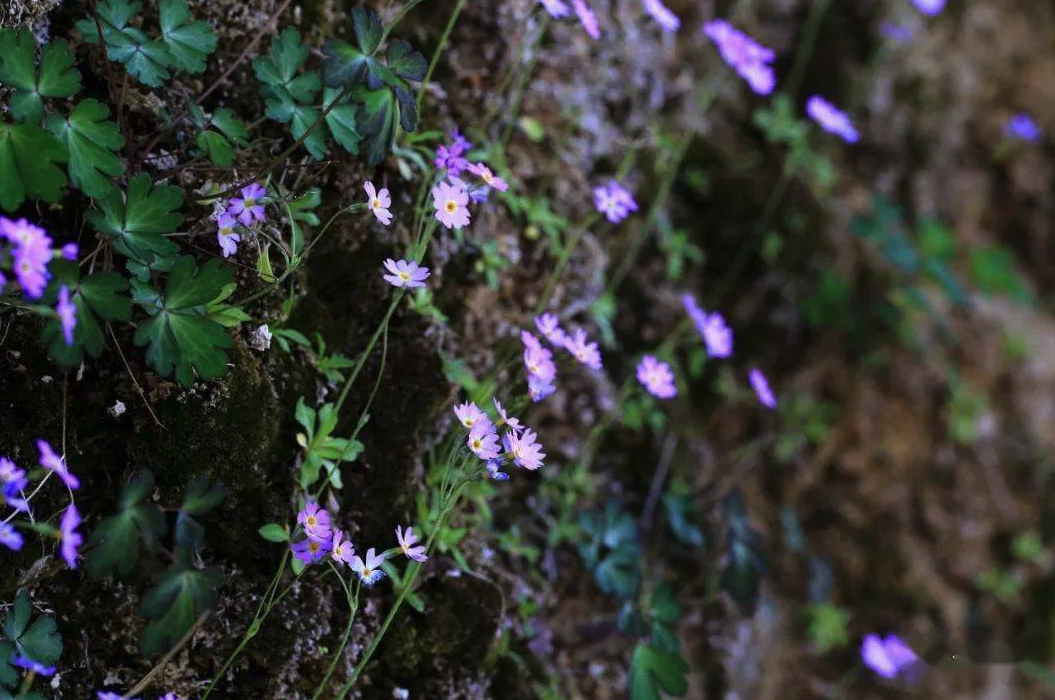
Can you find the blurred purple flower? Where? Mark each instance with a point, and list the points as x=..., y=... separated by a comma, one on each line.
x=1021, y=127
x=51, y=461
x=656, y=377
x=587, y=18
x=929, y=7
x=662, y=14
x=10, y=537
x=831, y=118
x=744, y=55
x=248, y=207
x=889, y=656
x=408, y=544
x=67, y=314
x=69, y=537
x=761, y=387
x=614, y=201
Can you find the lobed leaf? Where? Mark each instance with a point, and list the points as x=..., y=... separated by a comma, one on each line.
x=56, y=76
x=137, y=219
x=92, y=141
x=28, y=165
x=189, y=42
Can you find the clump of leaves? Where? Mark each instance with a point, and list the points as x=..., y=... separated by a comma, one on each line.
x=30, y=82
x=137, y=220
x=175, y=602
x=780, y=125
x=745, y=560
x=321, y=448
x=611, y=549
x=219, y=134
x=114, y=544
x=654, y=672
x=29, y=165
x=35, y=638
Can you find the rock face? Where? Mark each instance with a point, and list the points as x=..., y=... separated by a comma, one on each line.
x=19, y=12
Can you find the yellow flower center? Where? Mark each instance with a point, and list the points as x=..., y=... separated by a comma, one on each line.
x=314, y=546
x=404, y=275
x=487, y=177
x=312, y=521
x=451, y=206
x=249, y=202
x=376, y=203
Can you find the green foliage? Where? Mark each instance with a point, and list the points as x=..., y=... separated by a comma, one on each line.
x=679, y=508
x=828, y=626
x=29, y=158
x=98, y=298
x=55, y=77
x=174, y=604
x=610, y=549
x=201, y=497
x=780, y=125
x=678, y=250
x=92, y=141
x=219, y=134
x=181, y=337
x=654, y=672
x=137, y=220
x=321, y=448
x=114, y=543
x=965, y=411
x=184, y=43
x=273, y=532
x=37, y=639
x=745, y=562
x=995, y=272
x=804, y=420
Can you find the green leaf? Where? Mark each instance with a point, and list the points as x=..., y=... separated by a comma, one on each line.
x=679, y=508
x=376, y=118
x=341, y=121
x=56, y=78
x=201, y=496
x=145, y=59
x=652, y=671
x=98, y=298
x=28, y=157
x=278, y=71
x=231, y=126
x=174, y=604
x=300, y=118
x=137, y=219
x=216, y=147
x=611, y=552
x=404, y=61
x=180, y=337
x=273, y=532
x=346, y=65
x=189, y=42
x=368, y=29
x=115, y=541
x=38, y=640
x=8, y=673
x=92, y=141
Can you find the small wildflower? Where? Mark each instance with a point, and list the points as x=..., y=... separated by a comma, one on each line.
x=744, y=55
x=310, y=551
x=67, y=314
x=226, y=235
x=69, y=251
x=1021, y=127
x=587, y=18
x=33, y=666
x=614, y=201
x=484, y=173
x=929, y=7
x=248, y=207
x=761, y=387
x=831, y=119
x=170, y=696
x=524, y=449
x=549, y=326
x=315, y=521
x=477, y=192
x=509, y=421
x=470, y=415
x=32, y=253
x=539, y=388
x=662, y=14
x=483, y=441
x=408, y=543
x=369, y=570
x=51, y=461
x=405, y=273
x=69, y=537
x=459, y=143
x=585, y=352
x=106, y=695
x=494, y=470
x=450, y=158
x=716, y=334
x=10, y=537
x=656, y=377
x=555, y=8
x=889, y=657
x=538, y=360
x=342, y=550
x=12, y=478
x=451, y=203
x=379, y=202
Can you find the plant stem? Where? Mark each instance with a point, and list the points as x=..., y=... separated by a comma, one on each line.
x=353, y=607
x=439, y=50
x=806, y=46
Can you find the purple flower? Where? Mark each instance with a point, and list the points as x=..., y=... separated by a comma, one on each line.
x=929, y=7
x=450, y=158
x=342, y=550
x=585, y=352
x=895, y=32
x=1021, y=127
x=662, y=14
x=51, y=461
x=549, y=326
x=12, y=478
x=744, y=55
x=477, y=192
x=587, y=18
x=761, y=387
x=10, y=537
x=470, y=415
x=716, y=334
x=315, y=521
x=369, y=570
x=248, y=207
x=483, y=441
x=484, y=173
x=408, y=543
x=614, y=201
x=889, y=657
x=524, y=449
x=310, y=551
x=494, y=470
x=69, y=537
x=539, y=387
x=226, y=235
x=32, y=253
x=379, y=202
x=537, y=360
x=69, y=251
x=451, y=204
x=170, y=696
x=405, y=273
x=831, y=119
x=33, y=666
x=67, y=314
x=459, y=143
x=656, y=377
x=107, y=695
x=512, y=423
x=555, y=8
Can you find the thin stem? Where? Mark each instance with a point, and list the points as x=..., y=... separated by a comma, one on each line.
x=353, y=607
x=518, y=91
x=806, y=46
x=439, y=50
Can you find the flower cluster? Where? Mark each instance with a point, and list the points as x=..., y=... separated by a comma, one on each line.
x=518, y=445
x=831, y=118
x=538, y=359
x=240, y=213
x=451, y=196
x=614, y=201
x=13, y=485
x=29, y=253
x=744, y=55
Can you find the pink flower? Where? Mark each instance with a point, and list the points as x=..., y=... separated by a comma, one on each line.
x=512, y=423
x=484, y=173
x=524, y=449
x=369, y=569
x=656, y=377
x=405, y=273
x=451, y=203
x=584, y=351
x=379, y=202
x=226, y=235
x=470, y=415
x=342, y=550
x=539, y=387
x=315, y=521
x=549, y=326
x=555, y=8
x=408, y=543
x=52, y=462
x=587, y=18
x=483, y=441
